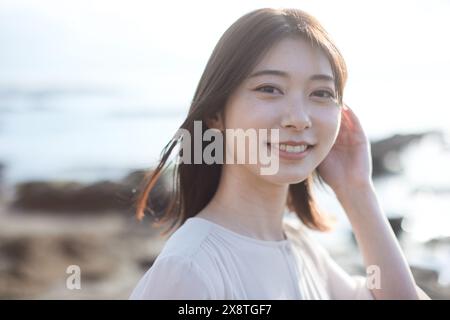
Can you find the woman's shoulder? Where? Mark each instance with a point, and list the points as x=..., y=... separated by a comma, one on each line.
x=296, y=229
x=183, y=269
x=175, y=277
x=187, y=241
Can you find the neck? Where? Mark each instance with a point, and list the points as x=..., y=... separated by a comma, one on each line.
x=247, y=204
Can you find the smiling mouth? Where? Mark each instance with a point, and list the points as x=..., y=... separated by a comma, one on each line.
x=291, y=148
x=291, y=151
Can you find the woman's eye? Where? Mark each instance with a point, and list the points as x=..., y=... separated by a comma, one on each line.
x=267, y=89
x=323, y=94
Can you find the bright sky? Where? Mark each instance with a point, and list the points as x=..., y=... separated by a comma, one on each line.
x=397, y=52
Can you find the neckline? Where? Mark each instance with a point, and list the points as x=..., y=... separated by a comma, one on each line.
x=271, y=243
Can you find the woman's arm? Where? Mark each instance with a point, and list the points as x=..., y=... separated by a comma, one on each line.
x=347, y=169
x=379, y=245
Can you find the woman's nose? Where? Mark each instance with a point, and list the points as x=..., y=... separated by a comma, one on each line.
x=296, y=117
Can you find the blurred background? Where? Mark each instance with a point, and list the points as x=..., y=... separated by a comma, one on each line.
x=91, y=91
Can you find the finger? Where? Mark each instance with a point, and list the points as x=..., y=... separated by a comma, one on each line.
x=352, y=118
x=350, y=112
x=347, y=117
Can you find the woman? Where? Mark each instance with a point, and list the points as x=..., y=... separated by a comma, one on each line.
x=272, y=69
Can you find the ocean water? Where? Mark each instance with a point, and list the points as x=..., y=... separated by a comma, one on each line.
x=84, y=140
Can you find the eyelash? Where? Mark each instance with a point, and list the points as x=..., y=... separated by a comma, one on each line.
x=262, y=87
x=331, y=95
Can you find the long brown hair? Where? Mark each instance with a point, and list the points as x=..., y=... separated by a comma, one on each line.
x=238, y=51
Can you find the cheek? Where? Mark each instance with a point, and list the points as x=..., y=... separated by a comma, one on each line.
x=327, y=126
x=247, y=113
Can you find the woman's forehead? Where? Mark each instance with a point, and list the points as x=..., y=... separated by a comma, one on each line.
x=296, y=58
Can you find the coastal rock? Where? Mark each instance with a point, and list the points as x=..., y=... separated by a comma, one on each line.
x=100, y=196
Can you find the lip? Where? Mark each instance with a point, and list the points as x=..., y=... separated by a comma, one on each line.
x=296, y=143
x=292, y=155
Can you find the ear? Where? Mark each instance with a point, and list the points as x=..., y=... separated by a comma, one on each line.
x=215, y=122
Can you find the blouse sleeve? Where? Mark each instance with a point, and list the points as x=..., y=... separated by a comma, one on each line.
x=174, y=277
x=341, y=285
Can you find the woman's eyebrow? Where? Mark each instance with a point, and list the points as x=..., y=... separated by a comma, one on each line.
x=284, y=74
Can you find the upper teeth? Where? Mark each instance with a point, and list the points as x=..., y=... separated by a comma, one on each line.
x=289, y=148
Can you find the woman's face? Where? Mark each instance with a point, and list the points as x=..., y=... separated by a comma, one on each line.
x=301, y=104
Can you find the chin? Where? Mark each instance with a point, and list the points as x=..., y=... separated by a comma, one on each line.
x=288, y=176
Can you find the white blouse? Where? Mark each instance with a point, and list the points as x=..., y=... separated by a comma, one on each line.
x=204, y=260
